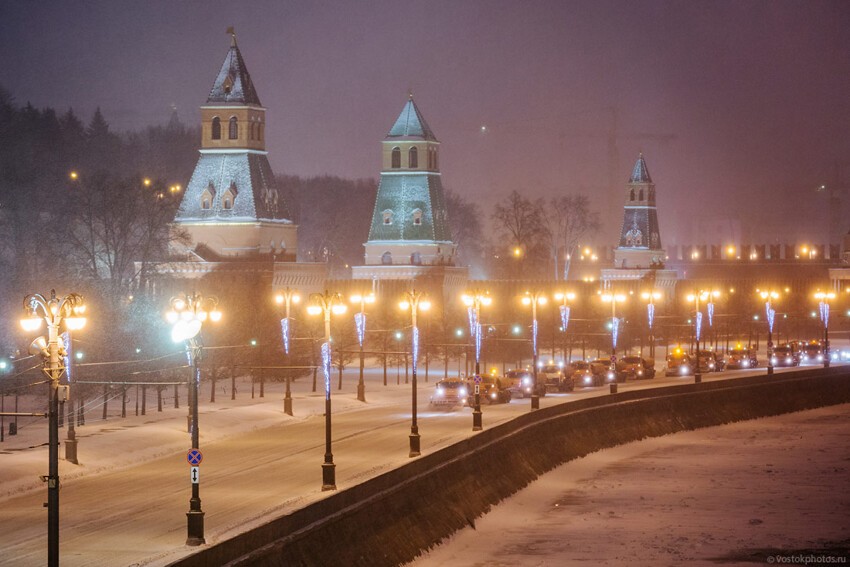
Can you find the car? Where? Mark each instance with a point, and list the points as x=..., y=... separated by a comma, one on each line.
x=520, y=383
x=450, y=392
x=636, y=368
x=603, y=373
x=581, y=373
x=711, y=361
x=784, y=355
x=678, y=363
x=811, y=353
x=741, y=357
x=491, y=391
x=551, y=377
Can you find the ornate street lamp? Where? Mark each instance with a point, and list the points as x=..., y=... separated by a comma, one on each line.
x=564, y=308
x=327, y=303
x=286, y=298
x=360, y=325
x=824, y=298
x=651, y=297
x=473, y=301
x=53, y=311
x=187, y=315
x=701, y=295
x=414, y=301
x=534, y=299
x=769, y=296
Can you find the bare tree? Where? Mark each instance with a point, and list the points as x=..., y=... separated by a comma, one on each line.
x=566, y=221
x=521, y=220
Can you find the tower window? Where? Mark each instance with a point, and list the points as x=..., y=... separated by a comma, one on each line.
x=640, y=195
x=229, y=197
x=632, y=195
x=416, y=259
x=207, y=197
x=216, y=128
x=396, y=158
x=388, y=217
x=417, y=217
x=386, y=259
x=233, y=131
x=251, y=130
x=413, y=158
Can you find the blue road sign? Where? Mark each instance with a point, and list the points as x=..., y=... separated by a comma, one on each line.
x=194, y=457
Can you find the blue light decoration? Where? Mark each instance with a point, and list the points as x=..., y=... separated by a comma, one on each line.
x=415, y=346
x=360, y=324
x=534, y=336
x=698, y=326
x=771, y=314
x=823, y=306
x=478, y=342
x=565, y=316
x=650, y=313
x=615, y=329
x=326, y=367
x=470, y=311
x=284, y=329
x=710, y=309
x=66, y=340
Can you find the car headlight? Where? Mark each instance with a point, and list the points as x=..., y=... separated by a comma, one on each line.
x=440, y=391
x=820, y=358
x=610, y=375
x=640, y=372
x=683, y=370
x=788, y=360
x=773, y=360
x=526, y=381
x=462, y=391
x=587, y=379
x=746, y=364
x=493, y=395
x=711, y=365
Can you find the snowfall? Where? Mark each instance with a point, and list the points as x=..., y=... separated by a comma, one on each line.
x=774, y=487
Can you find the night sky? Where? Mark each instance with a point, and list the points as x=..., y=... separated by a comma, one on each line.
x=742, y=109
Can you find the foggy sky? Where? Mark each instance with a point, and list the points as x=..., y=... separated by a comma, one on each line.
x=742, y=109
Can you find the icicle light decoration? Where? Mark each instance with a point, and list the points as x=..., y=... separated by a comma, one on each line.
x=326, y=366
x=824, y=313
x=565, y=317
x=699, y=326
x=615, y=329
x=710, y=309
x=360, y=324
x=284, y=331
x=650, y=313
x=771, y=315
x=66, y=340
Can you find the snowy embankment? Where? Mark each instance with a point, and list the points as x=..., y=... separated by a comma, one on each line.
x=769, y=490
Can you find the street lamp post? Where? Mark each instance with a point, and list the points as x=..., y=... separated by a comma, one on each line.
x=651, y=297
x=613, y=299
x=824, y=298
x=534, y=299
x=187, y=315
x=327, y=303
x=360, y=324
x=565, y=298
x=287, y=297
x=769, y=296
x=414, y=300
x=53, y=311
x=701, y=295
x=473, y=301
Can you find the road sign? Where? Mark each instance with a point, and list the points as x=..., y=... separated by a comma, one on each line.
x=195, y=474
x=477, y=379
x=194, y=457
x=477, y=391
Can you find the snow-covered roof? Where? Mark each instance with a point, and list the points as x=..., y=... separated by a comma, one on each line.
x=411, y=124
x=257, y=196
x=640, y=174
x=404, y=194
x=233, y=84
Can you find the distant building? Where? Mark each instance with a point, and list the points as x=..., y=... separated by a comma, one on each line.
x=410, y=237
x=639, y=257
x=232, y=207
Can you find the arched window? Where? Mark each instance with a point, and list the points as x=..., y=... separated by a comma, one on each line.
x=632, y=195
x=436, y=165
x=417, y=217
x=261, y=132
x=229, y=197
x=396, y=158
x=233, y=132
x=416, y=259
x=207, y=197
x=216, y=128
x=388, y=217
x=640, y=195
x=413, y=158
x=386, y=259
x=251, y=131
x=205, y=203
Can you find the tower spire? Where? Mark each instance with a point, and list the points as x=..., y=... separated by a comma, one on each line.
x=232, y=32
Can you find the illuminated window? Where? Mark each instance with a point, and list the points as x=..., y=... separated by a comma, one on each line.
x=216, y=128
x=413, y=158
x=417, y=217
x=233, y=131
x=388, y=217
x=396, y=158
